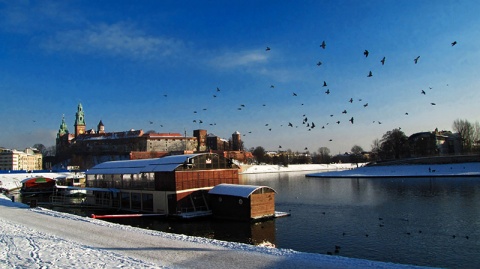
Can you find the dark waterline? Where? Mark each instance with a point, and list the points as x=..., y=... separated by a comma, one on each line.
x=420, y=221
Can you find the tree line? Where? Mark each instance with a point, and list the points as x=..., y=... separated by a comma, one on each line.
x=393, y=145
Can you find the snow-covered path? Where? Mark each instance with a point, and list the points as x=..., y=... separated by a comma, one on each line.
x=41, y=238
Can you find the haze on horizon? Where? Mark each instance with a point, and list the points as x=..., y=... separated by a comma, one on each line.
x=167, y=66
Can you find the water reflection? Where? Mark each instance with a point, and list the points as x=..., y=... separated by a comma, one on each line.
x=253, y=233
x=422, y=221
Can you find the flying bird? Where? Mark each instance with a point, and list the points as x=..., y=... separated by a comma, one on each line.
x=319, y=63
x=433, y=104
x=324, y=84
x=365, y=105
x=423, y=92
x=351, y=120
x=344, y=111
x=351, y=100
x=290, y=124
x=370, y=74
x=365, y=53
x=416, y=59
x=327, y=91
x=338, y=122
x=294, y=94
x=218, y=89
x=267, y=49
x=454, y=43
x=383, y=61
x=323, y=45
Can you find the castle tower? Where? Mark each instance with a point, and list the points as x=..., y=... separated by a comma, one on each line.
x=201, y=136
x=63, y=130
x=100, y=128
x=237, y=141
x=79, y=121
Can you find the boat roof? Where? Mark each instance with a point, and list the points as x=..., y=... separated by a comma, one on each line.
x=236, y=190
x=37, y=179
x=164, y=164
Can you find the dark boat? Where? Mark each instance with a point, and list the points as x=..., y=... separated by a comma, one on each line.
x=38, y=185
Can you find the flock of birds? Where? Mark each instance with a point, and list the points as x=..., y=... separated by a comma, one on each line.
x=305, y=120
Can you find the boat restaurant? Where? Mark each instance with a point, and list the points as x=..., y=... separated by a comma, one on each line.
x=176, y=185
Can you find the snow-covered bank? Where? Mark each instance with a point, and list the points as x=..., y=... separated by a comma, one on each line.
x=413, y=170
x=43, y=238
x=258, y=169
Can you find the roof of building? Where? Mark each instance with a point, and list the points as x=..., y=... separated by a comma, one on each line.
x=236, y=190
x=164, y=164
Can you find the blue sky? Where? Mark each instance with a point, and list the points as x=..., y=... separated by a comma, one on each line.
x=130, y=64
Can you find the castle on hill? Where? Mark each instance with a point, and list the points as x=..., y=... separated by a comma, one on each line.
x=87, y=147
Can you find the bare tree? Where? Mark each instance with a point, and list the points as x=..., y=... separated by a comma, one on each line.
x=466, y=130
x=50, y=151
x=356, y=149
x=41, y=148
x=259, y=154
x=375, y=148
x=394, y=145
x=476, y=136
x=323, y=155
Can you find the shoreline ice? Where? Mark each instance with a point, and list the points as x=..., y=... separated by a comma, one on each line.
x=269, y=168
x=411, y=170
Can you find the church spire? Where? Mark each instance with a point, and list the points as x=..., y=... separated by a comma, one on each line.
x=79, y=121
x=63, y=128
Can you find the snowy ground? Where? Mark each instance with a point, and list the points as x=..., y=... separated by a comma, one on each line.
x=418, y=170
x=258, y=169
x=41, y=238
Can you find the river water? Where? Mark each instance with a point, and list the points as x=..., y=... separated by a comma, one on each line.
x=419, y=221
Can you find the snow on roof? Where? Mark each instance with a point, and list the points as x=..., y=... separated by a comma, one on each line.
x=164, y=164
x=236, y=190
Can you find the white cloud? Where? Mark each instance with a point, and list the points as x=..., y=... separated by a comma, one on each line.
x=235, y=59
x=114, y=40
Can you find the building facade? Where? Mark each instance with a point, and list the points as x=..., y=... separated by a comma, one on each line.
x=11, y=159
x=435, y=143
